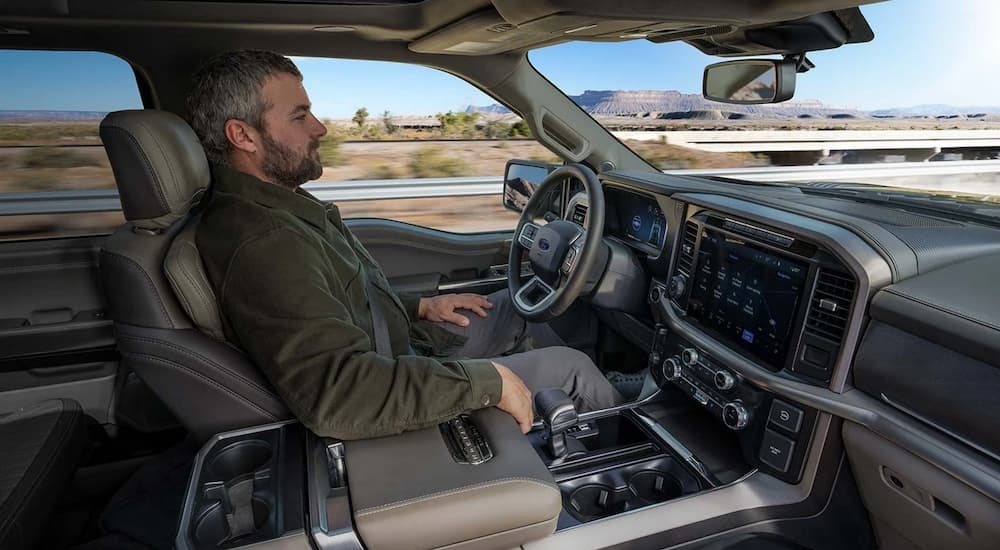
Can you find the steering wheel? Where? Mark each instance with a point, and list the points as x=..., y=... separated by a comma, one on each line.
x=561, y=253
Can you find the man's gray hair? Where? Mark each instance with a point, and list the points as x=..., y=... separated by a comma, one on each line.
x=228, y=86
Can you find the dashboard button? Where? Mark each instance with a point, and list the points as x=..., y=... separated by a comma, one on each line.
x=785, y=416
x=672, y=369
x=735, y=415
x=776, y=450
x=724, y=380
x=689, y=356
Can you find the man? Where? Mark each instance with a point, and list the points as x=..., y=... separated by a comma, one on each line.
x=295, y=285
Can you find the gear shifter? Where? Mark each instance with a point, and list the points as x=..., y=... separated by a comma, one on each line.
x=558, y=415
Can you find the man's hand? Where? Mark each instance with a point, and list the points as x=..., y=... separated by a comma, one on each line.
x=442, y=308
x=515, y=398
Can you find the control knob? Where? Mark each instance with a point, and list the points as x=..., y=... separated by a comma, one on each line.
x=724, y=380
x=654, y=294
x=689, y=356
x=735, y=415
x=672, y=369
x=676, y=287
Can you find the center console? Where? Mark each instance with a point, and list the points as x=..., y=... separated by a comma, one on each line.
x=474, y=482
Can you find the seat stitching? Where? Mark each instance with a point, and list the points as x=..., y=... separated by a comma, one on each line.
x=62, y=438
x=203, y=377
x=174, y=181
x=191, y=276
x=450, y=492
x=149, y=166
x=149, y=281
x=190, y=353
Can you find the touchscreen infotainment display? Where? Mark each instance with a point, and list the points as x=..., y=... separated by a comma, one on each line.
x=746, y=295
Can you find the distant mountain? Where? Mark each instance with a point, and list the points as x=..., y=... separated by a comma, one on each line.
x=936, y=110
x=674, y=105
x=51, y=116
x=670, y=104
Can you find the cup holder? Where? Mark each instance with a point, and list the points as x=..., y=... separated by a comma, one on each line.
x=620, y=489
x=211, y=527
x=653, y=486
x=239, y=458
x=595, y=501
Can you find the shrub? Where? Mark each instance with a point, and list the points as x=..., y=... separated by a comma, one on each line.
x=329, y=150
x=520, y=129
x=56, y=157
x=432, y=162
x=382, y=172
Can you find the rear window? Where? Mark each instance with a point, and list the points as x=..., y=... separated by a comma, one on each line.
x=50, y=110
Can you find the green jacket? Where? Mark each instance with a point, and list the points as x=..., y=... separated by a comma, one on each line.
x=290, y=279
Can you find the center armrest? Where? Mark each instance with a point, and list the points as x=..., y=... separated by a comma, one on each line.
x=410, y=491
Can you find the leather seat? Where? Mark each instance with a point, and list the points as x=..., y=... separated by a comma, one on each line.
x=41, y=448
x=165, y=314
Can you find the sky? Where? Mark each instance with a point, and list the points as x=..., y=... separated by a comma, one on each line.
x=923, y=53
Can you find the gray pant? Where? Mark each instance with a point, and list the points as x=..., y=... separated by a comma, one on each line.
x=535, y=353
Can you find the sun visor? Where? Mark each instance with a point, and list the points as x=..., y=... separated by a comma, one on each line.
x=822, y=31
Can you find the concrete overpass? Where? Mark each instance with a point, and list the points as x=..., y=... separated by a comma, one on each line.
x=812, y=146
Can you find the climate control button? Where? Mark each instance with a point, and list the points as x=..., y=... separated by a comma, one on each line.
x=735, y=415
x=672, y=369
x=689, y=356
x=724, y=380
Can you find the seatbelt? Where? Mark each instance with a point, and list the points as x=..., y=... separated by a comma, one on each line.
x=381, y=329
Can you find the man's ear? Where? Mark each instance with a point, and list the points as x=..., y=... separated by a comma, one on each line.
x=242, y=136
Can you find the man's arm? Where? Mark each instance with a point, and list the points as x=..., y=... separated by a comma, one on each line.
x=288, y=310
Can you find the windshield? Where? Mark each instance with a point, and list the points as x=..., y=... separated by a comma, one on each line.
x=915, y=108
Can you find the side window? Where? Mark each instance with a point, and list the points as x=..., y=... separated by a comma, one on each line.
x=429, y=148
x=50, y=109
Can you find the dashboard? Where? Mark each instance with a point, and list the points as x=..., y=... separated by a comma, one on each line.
x=796, y=316
x=758, y=291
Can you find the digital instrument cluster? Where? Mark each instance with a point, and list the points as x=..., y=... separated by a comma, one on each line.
x=636, y=219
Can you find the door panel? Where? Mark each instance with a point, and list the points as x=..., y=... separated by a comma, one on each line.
x=428, y=261
x=55, y=339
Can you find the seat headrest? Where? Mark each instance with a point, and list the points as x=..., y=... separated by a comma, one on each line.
x=159, y=165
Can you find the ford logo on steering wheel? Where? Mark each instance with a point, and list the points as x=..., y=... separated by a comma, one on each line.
x=543, y=244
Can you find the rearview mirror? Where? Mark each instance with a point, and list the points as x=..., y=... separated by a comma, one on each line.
x=750, y=81
x=520, y=180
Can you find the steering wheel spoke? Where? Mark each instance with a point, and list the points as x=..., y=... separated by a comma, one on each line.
x=535, y=295
x=527, y=236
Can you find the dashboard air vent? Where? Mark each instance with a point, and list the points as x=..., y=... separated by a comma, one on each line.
x=686, y=259
x=580, y=213
x=830, y=306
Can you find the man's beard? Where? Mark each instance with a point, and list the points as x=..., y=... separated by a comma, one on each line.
x=285, y=167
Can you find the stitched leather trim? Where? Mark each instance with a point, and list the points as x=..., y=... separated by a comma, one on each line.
x=940, y=308
x=50, y=451
x=184, y=351
x=154, y=177
x=457, y=491
x=128, y=262
x=196, y=374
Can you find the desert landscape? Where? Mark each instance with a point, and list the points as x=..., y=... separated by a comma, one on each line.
x=57, y=150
